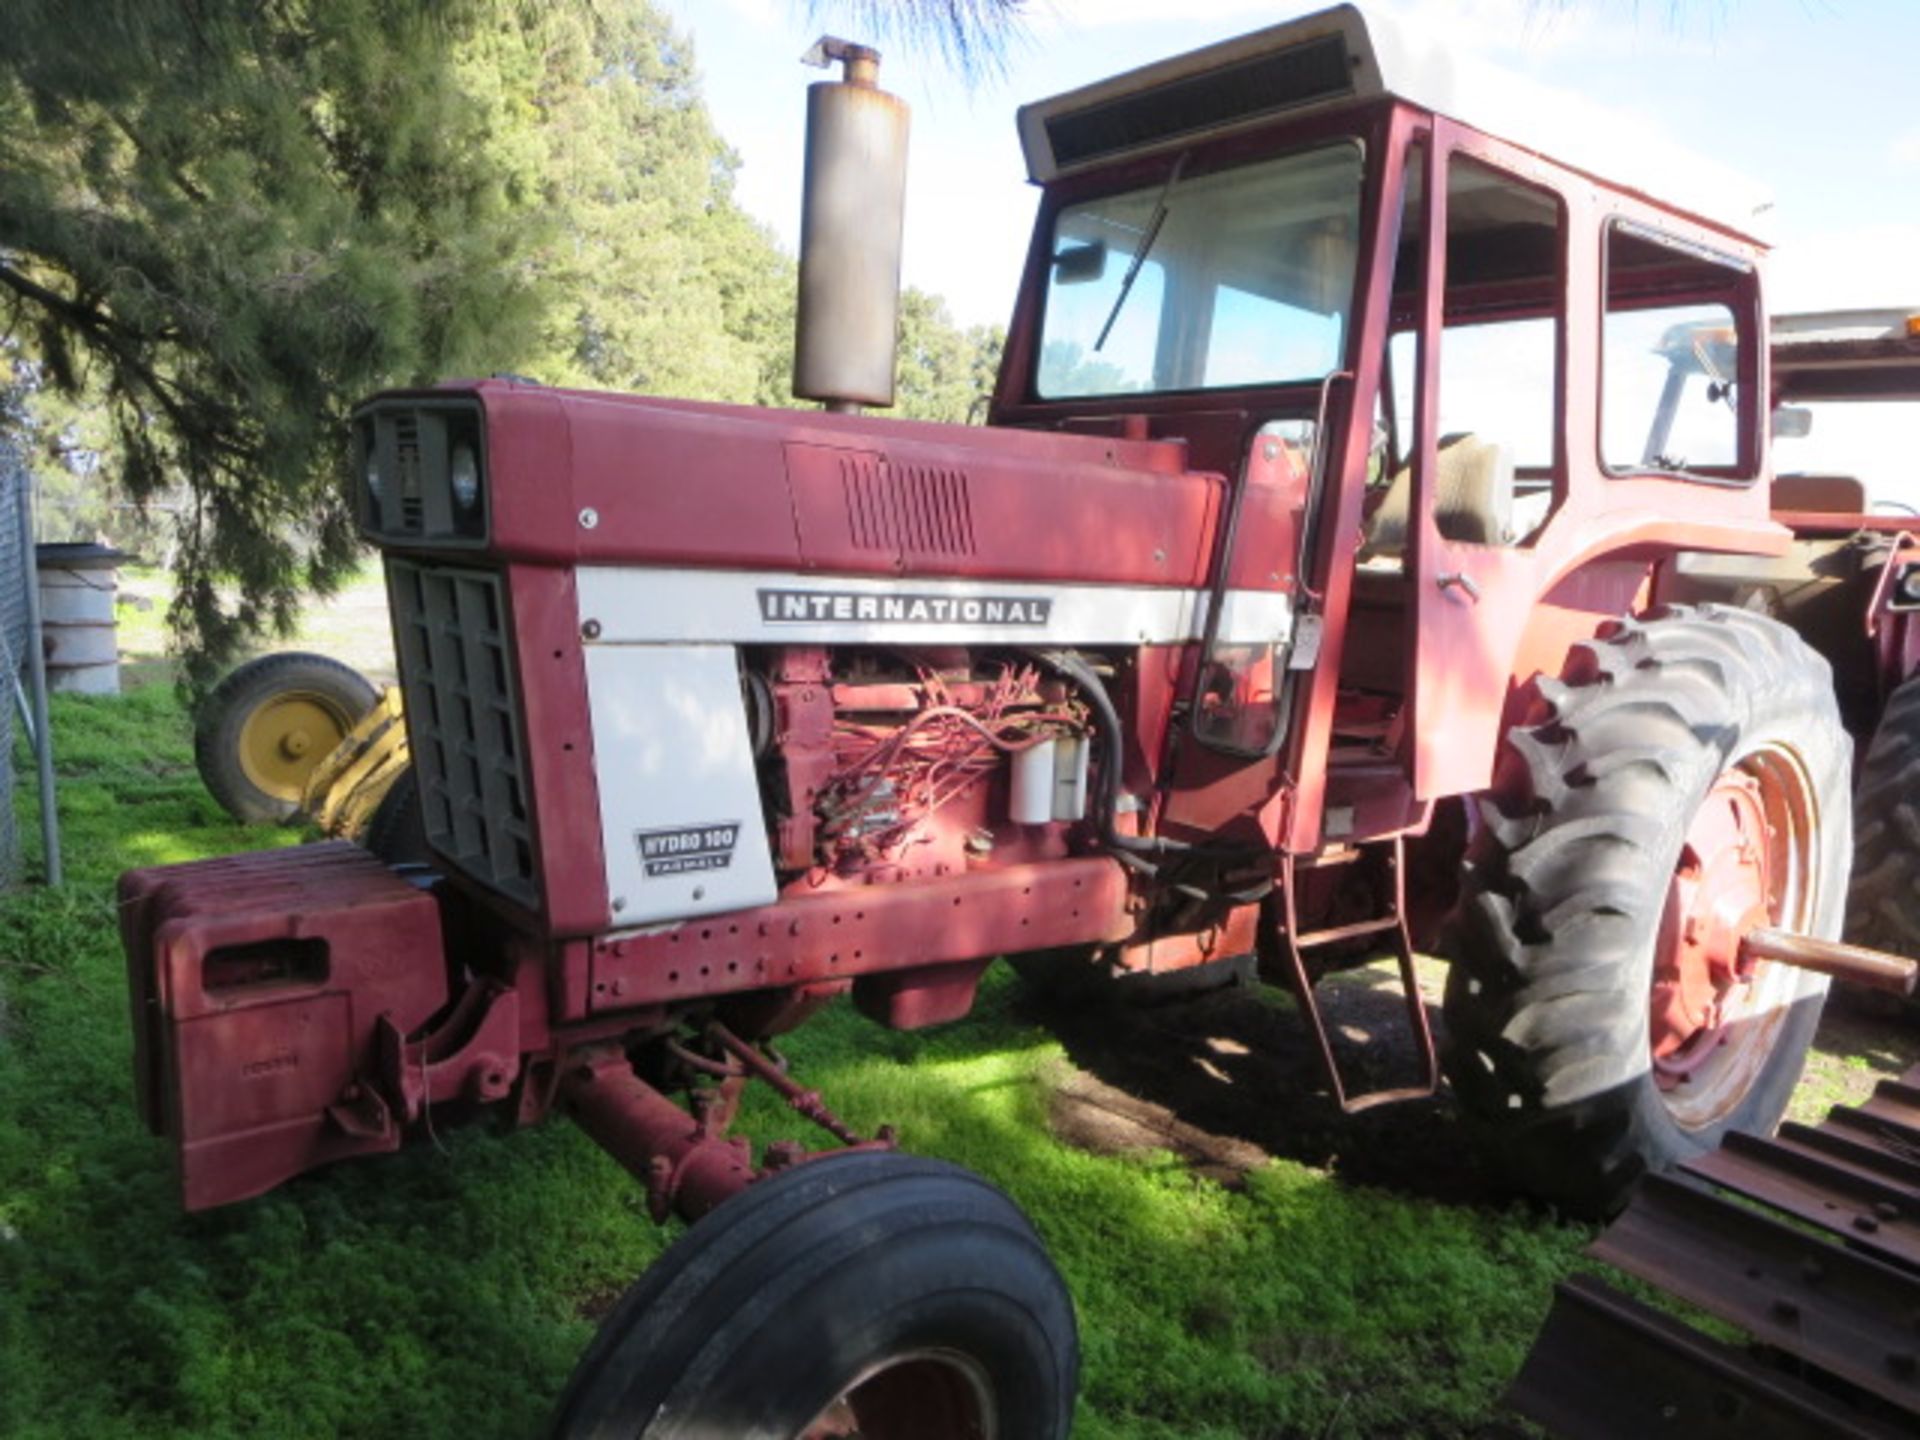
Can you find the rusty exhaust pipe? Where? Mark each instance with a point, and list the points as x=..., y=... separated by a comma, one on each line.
x=1874, y=969
x=846, y=329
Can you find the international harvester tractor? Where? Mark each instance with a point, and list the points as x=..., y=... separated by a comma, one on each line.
x=1306, y=597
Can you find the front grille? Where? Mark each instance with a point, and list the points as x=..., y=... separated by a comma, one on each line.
x=463, y=720
x=406, y=480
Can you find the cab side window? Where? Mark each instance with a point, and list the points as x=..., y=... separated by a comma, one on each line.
x=1499, y=376
x=1672, y=357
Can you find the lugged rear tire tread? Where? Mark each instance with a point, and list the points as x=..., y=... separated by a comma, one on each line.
x=1546, y=1003
x=397, y=830
x=1883, y=907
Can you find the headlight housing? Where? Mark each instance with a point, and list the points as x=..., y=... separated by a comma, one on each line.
x=463, y=475
x=420, y=468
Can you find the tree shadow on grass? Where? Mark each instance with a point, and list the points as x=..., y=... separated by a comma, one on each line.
x=1230, y=1078
x=1879, y=1031
x=1234, y=1077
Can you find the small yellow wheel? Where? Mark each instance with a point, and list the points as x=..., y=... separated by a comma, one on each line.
x=269, y=724
x=284, y=738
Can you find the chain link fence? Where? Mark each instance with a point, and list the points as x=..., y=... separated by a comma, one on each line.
x=13, y=651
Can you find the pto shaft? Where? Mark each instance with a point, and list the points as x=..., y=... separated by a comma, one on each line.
x=1873, y=968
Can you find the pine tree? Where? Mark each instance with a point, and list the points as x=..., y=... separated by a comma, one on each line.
x=943, y=372
x=971, y=36
x=223, y=223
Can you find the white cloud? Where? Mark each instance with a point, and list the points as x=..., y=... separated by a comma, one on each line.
x=1502, y=27
x=760, y=12
x=1099, y=14
x=1498, y=27
x=1864, y=267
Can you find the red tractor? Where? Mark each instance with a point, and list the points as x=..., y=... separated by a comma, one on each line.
x=1849, y=385
x=1846, y=392
x=1310, y=586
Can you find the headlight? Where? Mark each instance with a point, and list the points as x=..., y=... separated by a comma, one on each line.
x=1910, y=585
x=372, y=474
x=465, y=476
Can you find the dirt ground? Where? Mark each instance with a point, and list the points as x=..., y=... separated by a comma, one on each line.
x=1229, y=1080
x=351, y=626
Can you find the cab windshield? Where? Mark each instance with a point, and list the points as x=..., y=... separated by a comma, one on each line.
x=1242, y=276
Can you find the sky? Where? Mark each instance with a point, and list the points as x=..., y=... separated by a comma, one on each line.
x=1815, y=100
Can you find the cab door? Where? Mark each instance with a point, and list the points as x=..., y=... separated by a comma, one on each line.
x=1242, y=680
x=1486, y=360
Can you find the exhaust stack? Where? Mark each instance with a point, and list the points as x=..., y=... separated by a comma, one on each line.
x=847, y=328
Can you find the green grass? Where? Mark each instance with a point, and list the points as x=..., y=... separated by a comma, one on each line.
x=445, y=1292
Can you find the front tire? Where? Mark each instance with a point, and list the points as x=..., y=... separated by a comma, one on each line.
x=902, y=1296
x=1688, y=781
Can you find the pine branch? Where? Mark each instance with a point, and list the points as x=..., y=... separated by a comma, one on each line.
x=973, y=37
x=195, y=416
x=192, y=191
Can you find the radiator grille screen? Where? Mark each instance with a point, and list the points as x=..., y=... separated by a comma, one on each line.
x=463, y=720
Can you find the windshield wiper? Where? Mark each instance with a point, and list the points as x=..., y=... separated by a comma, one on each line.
x=1147, y=237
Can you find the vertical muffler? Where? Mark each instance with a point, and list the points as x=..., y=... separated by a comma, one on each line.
x=847, y=327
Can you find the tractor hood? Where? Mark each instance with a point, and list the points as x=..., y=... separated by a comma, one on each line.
x=585, y=478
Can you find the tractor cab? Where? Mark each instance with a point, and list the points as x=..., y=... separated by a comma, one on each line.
x=1318, y=258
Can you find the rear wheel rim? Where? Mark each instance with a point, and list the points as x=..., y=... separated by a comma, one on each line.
x=927, y=1394
x=1748, y=859
x=284, y=739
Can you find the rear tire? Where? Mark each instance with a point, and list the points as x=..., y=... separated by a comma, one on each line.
x=267, y=726
x=1584, y=881
x=913, y=1275
x=1883, y=909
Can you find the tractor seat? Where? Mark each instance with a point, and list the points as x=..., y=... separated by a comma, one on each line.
x=1474, y=499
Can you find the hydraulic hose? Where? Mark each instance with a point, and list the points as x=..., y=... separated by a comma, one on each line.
x=1113, y=738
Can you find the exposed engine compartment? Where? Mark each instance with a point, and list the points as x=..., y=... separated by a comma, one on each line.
x=885, y=765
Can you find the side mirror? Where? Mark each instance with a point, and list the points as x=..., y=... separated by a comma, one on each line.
x=1080, y=264
x=1792, y=422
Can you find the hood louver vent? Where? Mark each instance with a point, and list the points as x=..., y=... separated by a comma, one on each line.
x=907, y=509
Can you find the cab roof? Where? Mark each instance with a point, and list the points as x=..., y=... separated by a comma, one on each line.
x=1343, y=57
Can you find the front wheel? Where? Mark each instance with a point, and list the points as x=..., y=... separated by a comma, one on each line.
x=1687, y=783
x=871, y=1294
